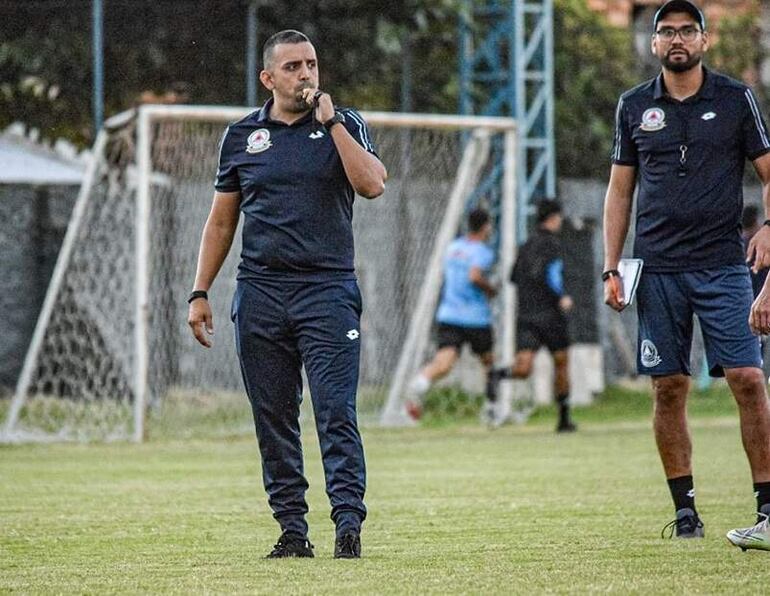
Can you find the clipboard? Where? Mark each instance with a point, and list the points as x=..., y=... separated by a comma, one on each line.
x=630, y=274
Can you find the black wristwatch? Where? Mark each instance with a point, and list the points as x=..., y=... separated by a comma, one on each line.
x=195, y=294
x=338, y=118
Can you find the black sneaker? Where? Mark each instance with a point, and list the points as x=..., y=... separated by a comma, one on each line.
x=348, y=546
x=566, y=426
x=291, y=545
x=687, y=525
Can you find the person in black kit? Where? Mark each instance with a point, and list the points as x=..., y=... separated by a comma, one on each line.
x=293, y=168
x=542, y=310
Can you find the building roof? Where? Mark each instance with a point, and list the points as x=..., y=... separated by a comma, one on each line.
x=22, y=162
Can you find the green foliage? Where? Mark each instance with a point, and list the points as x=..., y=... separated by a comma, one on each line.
x=43, y=72
x=737, y=51
x=197, y=48
x=594, y=63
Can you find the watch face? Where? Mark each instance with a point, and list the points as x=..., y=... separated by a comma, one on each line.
x=336, y=119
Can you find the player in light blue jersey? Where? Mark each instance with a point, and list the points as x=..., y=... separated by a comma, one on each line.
x=464, y=314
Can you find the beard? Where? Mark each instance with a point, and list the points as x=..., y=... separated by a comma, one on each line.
x=300, y=105
x=691, y=62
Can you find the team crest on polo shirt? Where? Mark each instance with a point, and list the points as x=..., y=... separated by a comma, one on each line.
x=653, y=119
x=258, y=141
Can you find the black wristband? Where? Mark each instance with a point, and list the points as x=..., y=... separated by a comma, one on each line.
x=610, y=273
x=338, y=118
x=195, y=294
x=766, y=222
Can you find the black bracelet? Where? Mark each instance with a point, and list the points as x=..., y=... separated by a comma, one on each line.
x=195, y=294
x=610, y=273
x=766, y=222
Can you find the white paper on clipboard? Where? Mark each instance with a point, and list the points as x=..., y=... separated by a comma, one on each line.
x=630, y=273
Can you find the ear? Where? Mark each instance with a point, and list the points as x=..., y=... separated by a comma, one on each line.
x=706, y=42
x=653, y=39
x=267, y=80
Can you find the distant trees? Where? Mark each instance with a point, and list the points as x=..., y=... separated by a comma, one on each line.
x=594, y=64
x=371, y=52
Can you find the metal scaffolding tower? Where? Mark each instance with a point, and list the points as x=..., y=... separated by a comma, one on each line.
x=506, y=69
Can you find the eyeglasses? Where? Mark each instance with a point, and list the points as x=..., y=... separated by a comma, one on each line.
x=687, y=33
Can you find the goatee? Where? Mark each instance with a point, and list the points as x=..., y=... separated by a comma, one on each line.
x=688, y=64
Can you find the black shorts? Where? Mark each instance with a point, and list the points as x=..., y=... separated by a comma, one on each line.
x=531, y=335
x=481, y=339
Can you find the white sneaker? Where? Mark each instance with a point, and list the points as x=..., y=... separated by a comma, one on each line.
x=757, y=537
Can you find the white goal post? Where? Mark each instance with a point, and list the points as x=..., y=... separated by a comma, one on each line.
x=111, y=340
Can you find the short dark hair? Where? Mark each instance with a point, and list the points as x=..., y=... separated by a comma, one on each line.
x=546, y=208
x=285, y=36
x=477, y=219
x=749, y=217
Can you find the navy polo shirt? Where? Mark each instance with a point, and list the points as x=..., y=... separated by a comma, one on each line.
x=690, y=158
x=295, y=197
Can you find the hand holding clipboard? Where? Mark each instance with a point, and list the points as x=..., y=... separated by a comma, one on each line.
x=621, y=288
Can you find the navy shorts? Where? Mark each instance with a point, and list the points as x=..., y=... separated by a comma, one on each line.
x=721, y=299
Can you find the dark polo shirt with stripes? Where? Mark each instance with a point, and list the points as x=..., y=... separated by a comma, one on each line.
x=295, y=197
x=690, y=157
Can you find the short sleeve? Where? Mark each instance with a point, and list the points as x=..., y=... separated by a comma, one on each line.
x=624, y=149
x=755, y=137
x=358, y=129
x=483, y=258
x=227, y=173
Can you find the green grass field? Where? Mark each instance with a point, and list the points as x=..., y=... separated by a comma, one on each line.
x=454, y=508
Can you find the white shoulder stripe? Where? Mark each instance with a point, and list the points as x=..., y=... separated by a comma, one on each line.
x=757, y=118
x=362, y=130
x=221, y=146
x=618, y=131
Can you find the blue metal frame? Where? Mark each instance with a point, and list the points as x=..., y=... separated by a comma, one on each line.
x=506, y=69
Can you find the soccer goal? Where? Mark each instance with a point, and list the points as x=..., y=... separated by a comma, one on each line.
x=112, y=343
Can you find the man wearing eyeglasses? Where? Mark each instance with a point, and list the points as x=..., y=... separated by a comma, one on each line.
x=684, y=137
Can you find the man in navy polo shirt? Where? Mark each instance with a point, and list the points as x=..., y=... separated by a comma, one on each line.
x=685, y=136
x=292, y=168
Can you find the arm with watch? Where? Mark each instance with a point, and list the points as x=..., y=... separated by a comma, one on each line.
x=617, y=216
x=365, y=172
x=217, y=238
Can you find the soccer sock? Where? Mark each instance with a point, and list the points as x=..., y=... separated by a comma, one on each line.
x=563, y=401
x=420, y=384
x=503, y=372
x=762, y=493
x=682, y=492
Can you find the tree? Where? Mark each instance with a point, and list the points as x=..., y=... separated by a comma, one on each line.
x=594, y=63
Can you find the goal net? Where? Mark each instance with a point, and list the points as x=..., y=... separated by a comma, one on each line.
x=112, y=356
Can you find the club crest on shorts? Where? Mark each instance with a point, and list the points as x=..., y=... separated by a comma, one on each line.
x=258, y=141
x=650, y=356
x=653, y=119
